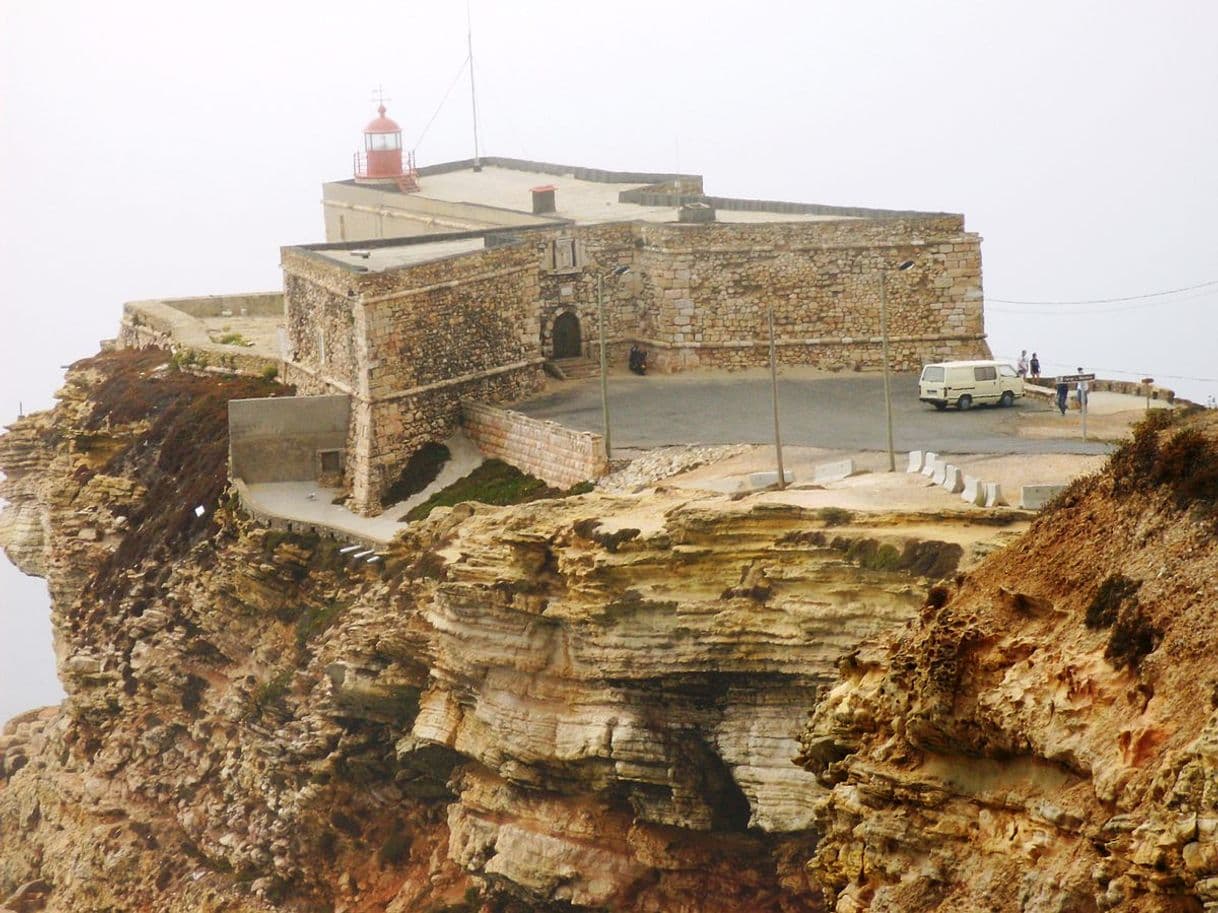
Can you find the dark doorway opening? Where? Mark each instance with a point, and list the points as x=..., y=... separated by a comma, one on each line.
x=567, y=342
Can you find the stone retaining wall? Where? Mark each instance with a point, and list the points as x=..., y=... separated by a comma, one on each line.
x=556, y=455
x=174, y=324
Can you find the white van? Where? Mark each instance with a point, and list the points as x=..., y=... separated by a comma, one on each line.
x=969, y=383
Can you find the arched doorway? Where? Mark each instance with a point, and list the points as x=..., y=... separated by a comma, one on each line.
x=567, y=342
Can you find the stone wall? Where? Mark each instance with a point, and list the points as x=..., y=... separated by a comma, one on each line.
x=559, y=456
x=174, y=324
x=409, y=344
x=697, y=295
x=707, y=289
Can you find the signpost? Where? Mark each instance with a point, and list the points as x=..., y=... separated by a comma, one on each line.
x=1082, y=401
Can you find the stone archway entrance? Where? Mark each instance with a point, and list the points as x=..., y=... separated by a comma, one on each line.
x=567, y=341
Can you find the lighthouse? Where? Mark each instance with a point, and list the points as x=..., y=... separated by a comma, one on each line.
x=380, y=161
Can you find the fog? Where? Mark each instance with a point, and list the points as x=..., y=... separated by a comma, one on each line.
x=157, y=149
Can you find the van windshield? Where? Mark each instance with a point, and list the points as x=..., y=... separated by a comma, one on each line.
x=932, y=373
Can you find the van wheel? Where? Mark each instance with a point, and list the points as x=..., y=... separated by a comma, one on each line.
x=939, y=407
x=1007, y=399
x=964, y=403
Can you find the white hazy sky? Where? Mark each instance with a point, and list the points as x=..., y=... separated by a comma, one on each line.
x=155, y=149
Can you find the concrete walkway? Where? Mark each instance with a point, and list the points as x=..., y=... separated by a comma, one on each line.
x=309, y=504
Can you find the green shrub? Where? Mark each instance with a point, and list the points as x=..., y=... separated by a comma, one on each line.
x=835, y=516
x=420, y=471
x=1106, y=604
x=494, y=482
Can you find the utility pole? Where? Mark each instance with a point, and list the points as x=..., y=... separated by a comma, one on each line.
x=616, y=272
x=892, y=460
x=600, y=321
x=782, y=479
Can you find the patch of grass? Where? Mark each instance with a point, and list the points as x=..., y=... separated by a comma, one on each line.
x=233, y=339
x=419, y=472
x=181, y=459
x=1106, y=605
x=270, y=372
x=494, y=482
x=316, y=620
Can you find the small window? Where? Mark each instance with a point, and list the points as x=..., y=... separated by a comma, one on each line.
x=1007, y=371
x=932, y=373
x=985, y=374
x=330, y=462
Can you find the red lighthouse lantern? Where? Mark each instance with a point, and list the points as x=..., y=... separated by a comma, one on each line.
x=380, y=161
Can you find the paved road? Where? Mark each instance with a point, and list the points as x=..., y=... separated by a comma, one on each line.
x=839, y=412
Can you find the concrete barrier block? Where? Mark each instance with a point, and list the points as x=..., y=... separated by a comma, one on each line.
x=758, y=480
x=940, y=472
x=832, y=472
x=916, y=459
x=993, y=495
x=974, y=490
x=1034, y=497
x=953, y=479
x=928, y=465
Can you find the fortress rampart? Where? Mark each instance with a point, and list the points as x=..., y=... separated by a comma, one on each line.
x=407, y=342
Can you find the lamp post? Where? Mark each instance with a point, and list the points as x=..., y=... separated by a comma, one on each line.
x=600, y=320
x=892, y=460
x=782, y=480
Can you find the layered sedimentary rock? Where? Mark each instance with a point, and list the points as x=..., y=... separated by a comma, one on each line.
x=591, y=702
x=1045, y=738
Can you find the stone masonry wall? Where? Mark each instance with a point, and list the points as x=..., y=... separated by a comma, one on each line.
x=697, y=295
x=707, y=288
x=409, y=344
x=601, y=248
x=559, y=456
x=174, y=324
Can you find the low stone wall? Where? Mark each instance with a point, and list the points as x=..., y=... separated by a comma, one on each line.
x=558, y=456
x=174, y=324
x=1047, y=387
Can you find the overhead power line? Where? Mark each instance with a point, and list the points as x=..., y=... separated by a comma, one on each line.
x=443, y=101
x=1174, y=291
x=1028, y=310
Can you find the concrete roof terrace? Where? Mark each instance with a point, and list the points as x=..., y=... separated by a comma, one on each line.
x=376, y=257
x=504, y=186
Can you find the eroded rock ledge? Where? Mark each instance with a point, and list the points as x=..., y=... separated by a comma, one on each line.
x=590, y=702
x=1045, y=737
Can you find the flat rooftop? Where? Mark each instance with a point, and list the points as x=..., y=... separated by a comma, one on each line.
x=576, y=199
x=377, y=259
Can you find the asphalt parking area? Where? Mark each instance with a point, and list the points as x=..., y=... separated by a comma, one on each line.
x=836, y=412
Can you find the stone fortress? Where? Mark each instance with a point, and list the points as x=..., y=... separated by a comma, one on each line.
x=455, y=283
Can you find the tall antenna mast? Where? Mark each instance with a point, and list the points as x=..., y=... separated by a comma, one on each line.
x=473, y=97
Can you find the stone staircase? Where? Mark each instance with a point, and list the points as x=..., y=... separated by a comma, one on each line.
x=578, y=368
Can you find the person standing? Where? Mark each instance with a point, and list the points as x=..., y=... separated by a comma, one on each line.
x=1080, y=392
x=1063, y=393
x=1034, y=364
x=1022, y=366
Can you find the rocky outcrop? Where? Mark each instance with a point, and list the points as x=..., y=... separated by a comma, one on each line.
x=591, y=702
x=1045, y=737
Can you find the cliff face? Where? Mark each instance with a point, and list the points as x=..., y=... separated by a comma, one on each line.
x=1045, y=737
x=590, y=702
